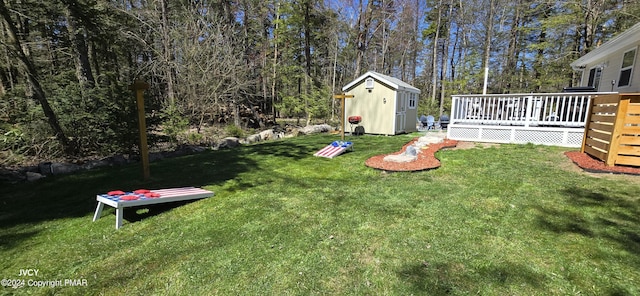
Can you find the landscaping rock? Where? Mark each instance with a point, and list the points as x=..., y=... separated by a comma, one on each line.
x=92, y=164
x=294, y=133
x=253, y=139
x=315, y=129
x=10, y=175
x=430, y=139
x=411, y=151
x=409, y=154
x=400, y=158
x=229, y=142
x=194, y=149
x=267, y=135
x=32, y=176
x=45, y=168
x=58, y=168
x=118, y=159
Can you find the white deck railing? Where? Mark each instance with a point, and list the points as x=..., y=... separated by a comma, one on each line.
x=550, y=119
x=553, y=109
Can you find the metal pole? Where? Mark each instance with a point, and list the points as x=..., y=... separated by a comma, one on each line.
x=486, y=80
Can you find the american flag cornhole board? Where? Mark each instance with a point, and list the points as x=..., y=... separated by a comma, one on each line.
x=121, y=200
x=334, y=149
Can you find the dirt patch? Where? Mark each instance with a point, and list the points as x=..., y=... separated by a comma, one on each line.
x=471, y=145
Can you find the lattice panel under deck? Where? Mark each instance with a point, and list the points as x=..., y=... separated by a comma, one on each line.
x=517, y=134
x=464, y=133
x=574, y=139
x=501, y=135
x=538, y=137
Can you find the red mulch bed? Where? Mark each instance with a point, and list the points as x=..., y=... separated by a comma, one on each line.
x=426, y=159
x=590, y=164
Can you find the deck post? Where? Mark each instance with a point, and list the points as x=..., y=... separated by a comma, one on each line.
x=527, y=115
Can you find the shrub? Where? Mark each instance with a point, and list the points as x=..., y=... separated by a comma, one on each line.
x=234, y=131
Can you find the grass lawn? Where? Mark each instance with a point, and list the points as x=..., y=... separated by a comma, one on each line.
x=505, y=220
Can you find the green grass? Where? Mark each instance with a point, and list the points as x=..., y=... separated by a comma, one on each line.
x=507, y=220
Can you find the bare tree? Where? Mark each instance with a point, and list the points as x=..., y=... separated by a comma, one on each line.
x=211, y=72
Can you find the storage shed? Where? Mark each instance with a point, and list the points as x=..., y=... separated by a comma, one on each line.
x=611, y=67
x=387, y=105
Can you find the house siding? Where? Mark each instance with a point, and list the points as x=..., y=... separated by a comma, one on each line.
x=609, y=57
x=611, y=72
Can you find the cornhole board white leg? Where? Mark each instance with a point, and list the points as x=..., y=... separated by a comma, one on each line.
x=119, y=212
x=98, y=211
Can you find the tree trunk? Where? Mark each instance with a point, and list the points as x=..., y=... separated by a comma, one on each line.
x=539, y=56
x=512, y=50
x=434, y=61
x=333, y=80
x=76, y=34
x=445, y=58
x=274, y=70
x=415, y=42
x=166, y=52
x=307, y=57
x=32, y=75
x=364, y=22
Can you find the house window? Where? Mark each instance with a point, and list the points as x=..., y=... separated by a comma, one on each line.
x=594, y=77
x=627, y=68
x=412, y=101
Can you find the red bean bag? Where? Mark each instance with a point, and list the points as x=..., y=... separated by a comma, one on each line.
x=129, y=197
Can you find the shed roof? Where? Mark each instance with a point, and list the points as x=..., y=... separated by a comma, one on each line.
x=619, y=42
x=393, y=82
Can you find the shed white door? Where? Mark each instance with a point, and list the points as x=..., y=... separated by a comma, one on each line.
x=401, y=111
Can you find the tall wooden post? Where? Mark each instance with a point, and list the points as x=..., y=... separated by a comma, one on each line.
x=342, y=123
x=140, y=86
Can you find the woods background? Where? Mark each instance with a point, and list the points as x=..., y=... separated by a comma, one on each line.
x=66, y=65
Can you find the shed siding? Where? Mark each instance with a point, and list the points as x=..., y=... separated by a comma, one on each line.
x=377, y=116
x=412, y=114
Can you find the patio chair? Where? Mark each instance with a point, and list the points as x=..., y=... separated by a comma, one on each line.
x=423, y=121
x=430, y=122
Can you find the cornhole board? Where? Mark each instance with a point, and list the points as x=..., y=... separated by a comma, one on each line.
x=121, y=201
x=334, y=149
